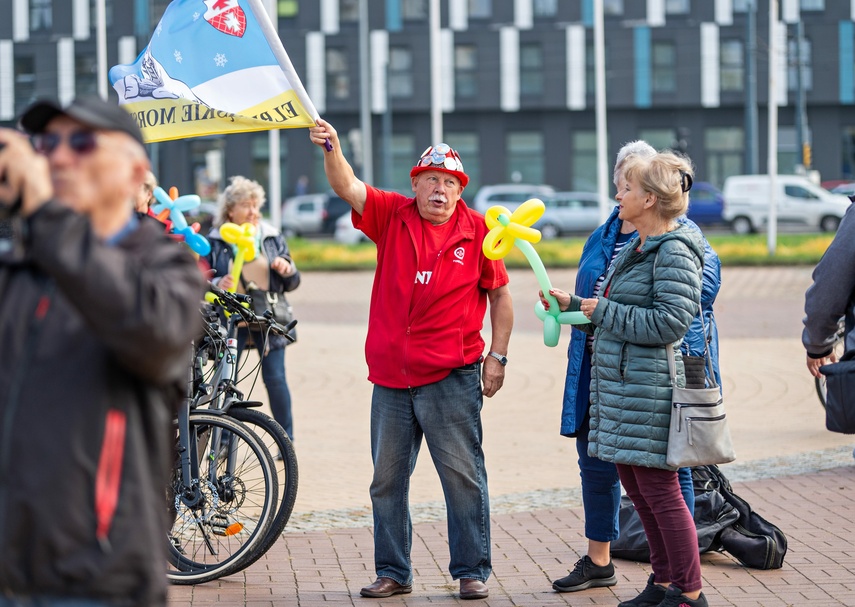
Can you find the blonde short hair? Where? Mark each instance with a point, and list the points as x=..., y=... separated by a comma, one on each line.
x=666, y=176
x=238, y=190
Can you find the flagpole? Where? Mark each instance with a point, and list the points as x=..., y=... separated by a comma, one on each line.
x=274, y=163
x=272, y=37
x=772, y=152
x=101, y=46
x=600, y=110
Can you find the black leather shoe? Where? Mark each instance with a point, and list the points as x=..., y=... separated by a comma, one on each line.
x=473, y=589
x=383, y=587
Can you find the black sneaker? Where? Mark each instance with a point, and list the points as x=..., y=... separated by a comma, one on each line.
x=586, y=575
x=674, y=597
x=652, y=595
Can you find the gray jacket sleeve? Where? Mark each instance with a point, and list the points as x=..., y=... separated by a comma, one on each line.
x=830, y=296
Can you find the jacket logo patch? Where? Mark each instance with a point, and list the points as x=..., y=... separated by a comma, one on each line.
x=459, y=252
x=423, y=277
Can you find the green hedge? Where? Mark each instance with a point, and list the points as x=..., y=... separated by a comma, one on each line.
x=791, y=249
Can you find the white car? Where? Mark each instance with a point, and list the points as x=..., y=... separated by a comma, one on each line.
x=346, y=233
x=569, y=212
x=798, y=201
x=509, y=195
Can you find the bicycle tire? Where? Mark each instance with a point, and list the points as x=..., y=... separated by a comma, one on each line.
x=203, y=544
x=274, y=437
x=838, y=347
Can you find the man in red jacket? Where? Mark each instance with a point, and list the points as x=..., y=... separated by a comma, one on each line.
x=426, y=356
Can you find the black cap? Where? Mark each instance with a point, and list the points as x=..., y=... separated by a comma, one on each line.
x=94, y=112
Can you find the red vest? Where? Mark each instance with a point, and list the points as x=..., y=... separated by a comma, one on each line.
x=443, y=331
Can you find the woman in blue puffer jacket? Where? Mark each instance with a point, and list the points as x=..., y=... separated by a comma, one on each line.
x=629, y=412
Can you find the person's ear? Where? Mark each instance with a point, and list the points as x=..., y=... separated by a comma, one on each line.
x=413, y=181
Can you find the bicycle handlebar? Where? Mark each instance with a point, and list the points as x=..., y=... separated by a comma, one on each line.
x=237, y=303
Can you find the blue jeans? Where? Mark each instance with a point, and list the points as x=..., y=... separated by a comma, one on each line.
x=601, y=492
x=448, y=414
x=273, y=374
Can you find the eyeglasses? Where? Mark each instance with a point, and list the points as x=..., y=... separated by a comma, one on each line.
x=81, y=142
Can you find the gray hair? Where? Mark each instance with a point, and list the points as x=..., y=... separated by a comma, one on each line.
x=639, y=148
x=238, y=190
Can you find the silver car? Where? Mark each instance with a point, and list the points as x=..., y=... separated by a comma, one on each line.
x=568, y=212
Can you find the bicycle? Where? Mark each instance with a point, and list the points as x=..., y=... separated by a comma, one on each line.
x=218, y=391
x=222, y=496
x=838, y=348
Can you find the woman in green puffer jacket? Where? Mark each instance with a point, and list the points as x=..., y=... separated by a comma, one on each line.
x=649, y=298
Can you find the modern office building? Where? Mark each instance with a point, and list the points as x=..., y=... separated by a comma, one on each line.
x=517, y=84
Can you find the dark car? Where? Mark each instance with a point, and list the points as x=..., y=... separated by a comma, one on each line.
x=335, y=208
x=705, y=204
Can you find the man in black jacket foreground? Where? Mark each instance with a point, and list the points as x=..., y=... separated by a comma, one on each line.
x=97, y=311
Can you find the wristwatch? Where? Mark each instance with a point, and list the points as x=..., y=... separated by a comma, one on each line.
x=499, y=357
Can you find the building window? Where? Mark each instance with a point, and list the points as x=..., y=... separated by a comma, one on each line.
x=287, y=9
x=525, y=157
x=545, y=8
x=741, y=6
x=85, y=74
x=260, y=151
x=466, y=144
x=338, y=78
x=591, y=67
x=677, y=7
x=108, y=12
x=793, y=64
x=25, y=82
x=531, y=69
x=400, y=72
x=613, y=8
x=403, y=159
x=465, y=70
x=724, y=147
x=319, y=176
x=661, y=139
x=584, y=161
x=812, y=5
x=664, y=75
x=480, y=9
x=414, y=9
x=41, y=15
x=732, y=68
x=348, y=10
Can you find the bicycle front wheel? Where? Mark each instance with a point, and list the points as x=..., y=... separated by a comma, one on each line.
x=221, y=515
x=277, y=442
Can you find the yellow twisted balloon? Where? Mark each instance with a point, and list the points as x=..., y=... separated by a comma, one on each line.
x=505, y=227
x=508, y=229
x=243, y=237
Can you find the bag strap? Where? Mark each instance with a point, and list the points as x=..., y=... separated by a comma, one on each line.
x=672, y=365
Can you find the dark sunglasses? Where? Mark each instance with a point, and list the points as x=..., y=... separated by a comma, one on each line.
x=81, y=142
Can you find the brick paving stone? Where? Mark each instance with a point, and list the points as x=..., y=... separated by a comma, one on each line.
x=790, y=469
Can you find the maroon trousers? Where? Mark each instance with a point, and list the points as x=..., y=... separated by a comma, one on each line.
x=670, y=528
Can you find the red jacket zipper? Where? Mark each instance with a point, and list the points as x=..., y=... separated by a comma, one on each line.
x=109, y=476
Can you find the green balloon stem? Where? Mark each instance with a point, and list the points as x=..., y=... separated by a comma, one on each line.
x=539, y=271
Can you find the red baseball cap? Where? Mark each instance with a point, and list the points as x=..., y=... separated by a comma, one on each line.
x=441, y=157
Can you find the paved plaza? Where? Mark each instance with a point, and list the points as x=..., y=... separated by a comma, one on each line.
x=789, y=468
